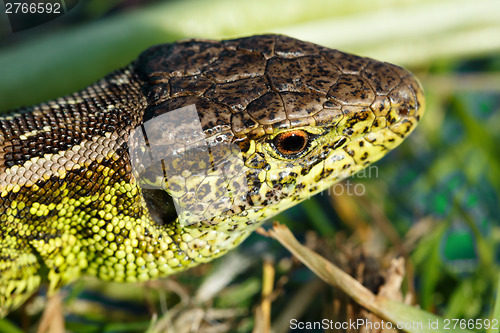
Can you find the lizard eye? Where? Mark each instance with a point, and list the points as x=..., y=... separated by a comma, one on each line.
x=289, y=144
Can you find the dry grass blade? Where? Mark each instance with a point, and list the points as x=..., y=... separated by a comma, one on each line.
x=413, y=320
x=52, y=319
x=263, y=311
x=298, y=304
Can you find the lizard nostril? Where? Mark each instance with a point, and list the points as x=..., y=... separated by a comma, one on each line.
x=403, y=111
x=406, y=99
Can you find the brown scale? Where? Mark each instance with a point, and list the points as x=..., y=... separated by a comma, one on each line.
x=68, y=126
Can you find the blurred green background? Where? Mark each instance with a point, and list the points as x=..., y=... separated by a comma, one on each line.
x=434, y=200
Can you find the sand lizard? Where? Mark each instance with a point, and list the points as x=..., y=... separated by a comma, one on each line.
x=177, y=158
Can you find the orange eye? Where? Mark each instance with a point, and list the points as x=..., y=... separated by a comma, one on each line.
x=291, y=143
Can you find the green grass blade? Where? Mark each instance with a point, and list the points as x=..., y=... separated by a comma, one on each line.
x=496, y=310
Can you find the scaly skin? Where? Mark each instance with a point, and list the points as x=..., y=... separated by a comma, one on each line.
x=111, y=182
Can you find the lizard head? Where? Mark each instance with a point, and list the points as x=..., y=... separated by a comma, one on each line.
x=249, y=127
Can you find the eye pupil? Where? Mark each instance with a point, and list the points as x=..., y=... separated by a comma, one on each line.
x=290, y=143
x=293, y=143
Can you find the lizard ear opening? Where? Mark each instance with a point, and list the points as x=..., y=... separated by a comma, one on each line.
x=160, y=206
